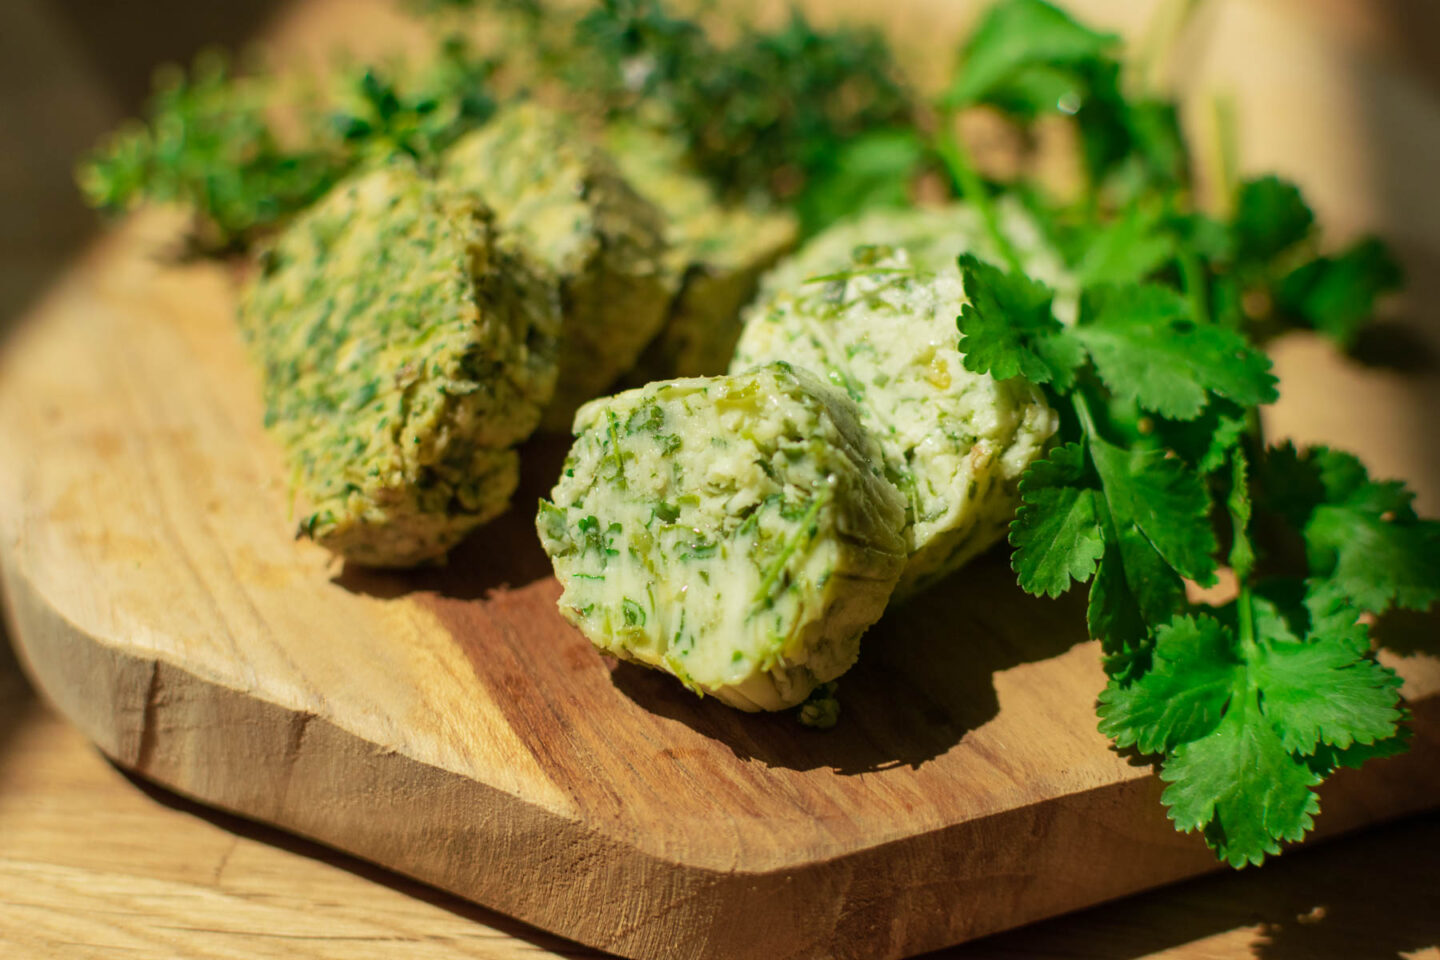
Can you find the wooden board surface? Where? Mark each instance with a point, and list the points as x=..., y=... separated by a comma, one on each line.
x=447, y=725
x=96, y=865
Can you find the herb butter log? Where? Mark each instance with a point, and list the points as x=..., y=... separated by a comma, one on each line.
x=883, y=328
x=562, y=201
x=933, y=238
x=403, y=354
x=718, y=250
x=732, y=531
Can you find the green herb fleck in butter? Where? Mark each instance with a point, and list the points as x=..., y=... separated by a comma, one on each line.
x=563, y=202
x=879, y=323
x=732, y=531
x=402, y=356
x=719, y=250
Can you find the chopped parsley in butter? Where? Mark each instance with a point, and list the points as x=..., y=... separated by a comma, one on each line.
x=732, y=531
x=561, y=200
x=880, y=324
x=402, y=355
x=718, y=250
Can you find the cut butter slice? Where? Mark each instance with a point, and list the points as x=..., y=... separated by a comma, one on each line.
x=880, y=324
x=402, y=355
x=562, y=201
x=719, y=250
x=733, y=531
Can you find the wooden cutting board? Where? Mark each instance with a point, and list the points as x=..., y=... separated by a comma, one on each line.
x=449, y=725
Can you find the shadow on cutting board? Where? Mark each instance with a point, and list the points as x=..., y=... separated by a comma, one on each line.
x=17, y=700
x=505, y=553
x=1366, y=897
x=925, y=678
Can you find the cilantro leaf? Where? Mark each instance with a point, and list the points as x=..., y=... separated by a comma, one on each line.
x=1205, y=442
x=1183, y=695
x=1377, y=562
x=1290, y=483
x=1166, y=502
x=1248, y=727
x=1319, y=692
x=1361, y=534
x=1014, y=35
x=1335, y=617
x=1147, y=348
x=1008, y=329
x=872, y=170
x=1126, y=250
x=1271, y=216
x=1241, y=786
x=1326, y=759
x=1337, y=295
x=1056, y=532
x=1134, y=587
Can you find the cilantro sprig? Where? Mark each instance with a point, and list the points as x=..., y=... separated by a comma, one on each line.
x=245, y=151
x=1250, y=704
x=1162, y=478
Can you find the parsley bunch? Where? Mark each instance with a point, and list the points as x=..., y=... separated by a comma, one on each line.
x=770, y=111
x=243, y=153
x=1162, y=476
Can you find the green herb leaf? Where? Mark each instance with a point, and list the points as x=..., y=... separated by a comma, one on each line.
x=1241, y=786
x=1056, y=532
x=1337, y=295
x=1008, y=330
x=1182, y=697
x=1147, y=348
x=873, y=170
x=1270, y=217
x=1127, y=250
x=1167, y=503
x=1320, y=692
x=1016, y=34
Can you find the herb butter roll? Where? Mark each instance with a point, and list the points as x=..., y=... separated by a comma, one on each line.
x=718, y=250
x=733, y=531
x=402, y=356
x=934, y=238
x=562, y=201
x=883, y=329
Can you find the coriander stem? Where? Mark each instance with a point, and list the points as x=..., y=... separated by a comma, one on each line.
x=962, y=171
x=1246, y=609
x=1192, y=276
x=1082, y=410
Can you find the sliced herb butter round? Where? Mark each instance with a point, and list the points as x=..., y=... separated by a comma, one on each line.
x=402, y=354
x=562, y=201
x=883, y=328
x=719, y=250
x=733, y=531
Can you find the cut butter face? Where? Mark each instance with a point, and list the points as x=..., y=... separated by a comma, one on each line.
x=732, y=531
x=402, y=355
x=880, y=324
x=562, y=202
x=718, y=250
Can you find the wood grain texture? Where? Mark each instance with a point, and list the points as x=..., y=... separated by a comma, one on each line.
x=448, y=725
x=95, y=865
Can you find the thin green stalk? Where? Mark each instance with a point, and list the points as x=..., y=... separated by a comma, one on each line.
x=962, y=171
x=1192, y=277
x=1082, y=410
x=802, y=534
